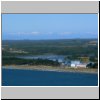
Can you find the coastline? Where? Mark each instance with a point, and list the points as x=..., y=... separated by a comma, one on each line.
x=50, y=68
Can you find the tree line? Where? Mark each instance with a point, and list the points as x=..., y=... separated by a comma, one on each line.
x=21, y=61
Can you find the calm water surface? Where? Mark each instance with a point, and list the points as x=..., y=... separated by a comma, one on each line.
x=14, y=77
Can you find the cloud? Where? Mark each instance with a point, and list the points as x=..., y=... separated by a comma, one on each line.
x=90, y=32
x=35, y=33
x=50, y=32
x=65, y=33
x=25, y=33
x=12, y=33
x=20, y=33
x=17, y=33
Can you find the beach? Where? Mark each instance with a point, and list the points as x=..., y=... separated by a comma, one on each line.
x=51, y=68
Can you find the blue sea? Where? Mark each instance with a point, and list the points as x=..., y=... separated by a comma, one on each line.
x=15, y=77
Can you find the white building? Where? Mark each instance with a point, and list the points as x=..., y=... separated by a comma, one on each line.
x=78, y=64
x=81, y=65
x=75, y=63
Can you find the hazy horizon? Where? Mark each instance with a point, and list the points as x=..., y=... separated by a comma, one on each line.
x=54, y=39
x=49, y=26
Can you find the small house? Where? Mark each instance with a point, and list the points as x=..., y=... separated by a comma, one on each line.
x=81, y=65
x=75, y=63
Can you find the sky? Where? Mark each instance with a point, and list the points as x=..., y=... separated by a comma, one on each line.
x=49, y=26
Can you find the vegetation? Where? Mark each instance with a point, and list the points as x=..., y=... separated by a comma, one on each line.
x=92, y=65
x=20, y=61
x=82, y=49
x=75, y=47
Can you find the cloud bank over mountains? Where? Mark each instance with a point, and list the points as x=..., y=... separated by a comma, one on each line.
x=35, y=35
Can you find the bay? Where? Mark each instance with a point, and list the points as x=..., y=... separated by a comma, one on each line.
x=16, y=77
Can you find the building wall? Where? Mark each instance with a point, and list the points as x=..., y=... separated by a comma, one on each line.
x=73, y=65
x=81, y=65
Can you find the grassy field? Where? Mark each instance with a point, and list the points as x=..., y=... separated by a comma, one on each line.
x=72, y=47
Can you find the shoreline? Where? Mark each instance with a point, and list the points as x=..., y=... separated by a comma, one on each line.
x=50, y=68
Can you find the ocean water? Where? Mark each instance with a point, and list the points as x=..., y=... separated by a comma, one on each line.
x=14, y=77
